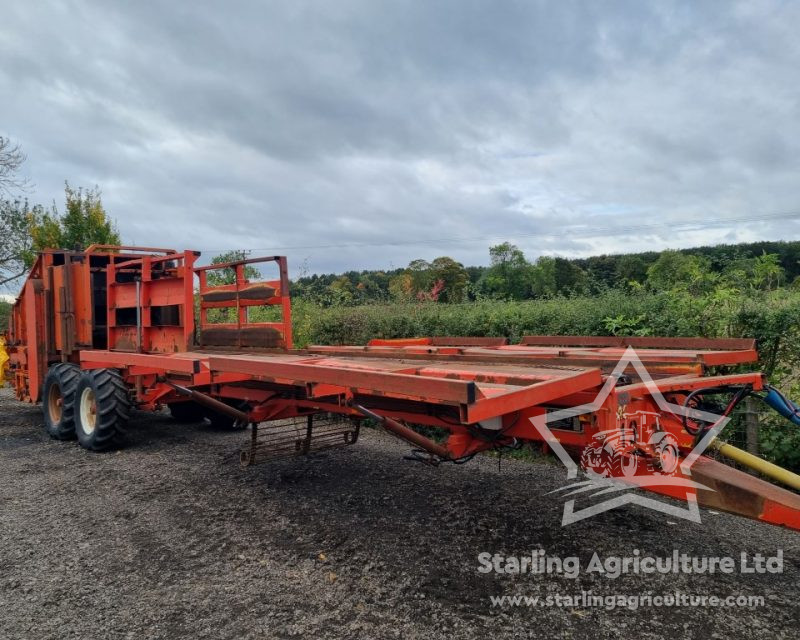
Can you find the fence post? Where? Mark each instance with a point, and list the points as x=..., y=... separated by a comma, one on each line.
x=751, y=426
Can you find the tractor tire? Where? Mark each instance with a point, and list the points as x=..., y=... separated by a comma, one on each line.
x=624, y=466
x=102, y=408
x=668, y=455
x=58, y=400
x=608, y=463
x=188, y=412
x=595, y=460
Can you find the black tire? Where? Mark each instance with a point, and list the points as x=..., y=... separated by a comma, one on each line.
x=58, y=400
x=223, y=421
x=102, y=408
x=187, y=412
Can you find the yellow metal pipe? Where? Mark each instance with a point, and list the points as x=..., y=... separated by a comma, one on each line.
x=757, y=464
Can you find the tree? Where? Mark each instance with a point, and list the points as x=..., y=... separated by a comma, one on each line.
x=16, y=249
x=401, y=288
x=83, y=223
x=631, y=268
x=436, y=290
x=367, y=287
x=543, y=277
x=11, y=159
x=454, y=279
x=676, y=271
x=510, y=273
x=15, y=240
x=443, y=280
x=341, y=291
x=421, y=275
x=5, y=312
x=570, y=278
x=767, y=271
x=227, y=275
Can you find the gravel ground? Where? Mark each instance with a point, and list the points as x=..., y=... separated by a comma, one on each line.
x=169, y=538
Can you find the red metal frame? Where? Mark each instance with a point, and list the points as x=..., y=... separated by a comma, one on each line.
x=132, y=309
x=240, y=296
x=478, y=392
x=153, y=283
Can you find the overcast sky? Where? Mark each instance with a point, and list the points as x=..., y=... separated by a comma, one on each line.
x=341, y=133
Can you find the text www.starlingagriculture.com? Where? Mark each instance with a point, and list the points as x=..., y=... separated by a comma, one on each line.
x=588, y=600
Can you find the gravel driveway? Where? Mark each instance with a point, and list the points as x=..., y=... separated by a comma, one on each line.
x=169, y=538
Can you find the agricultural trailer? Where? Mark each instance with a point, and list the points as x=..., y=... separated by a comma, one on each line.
x=98, y=333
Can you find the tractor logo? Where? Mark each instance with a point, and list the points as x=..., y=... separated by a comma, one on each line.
x=612, y=453
x=637, y=453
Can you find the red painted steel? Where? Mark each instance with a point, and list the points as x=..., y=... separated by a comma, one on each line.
x=240, y=297
x=642, y=342
x=150, y=303
x=133, y=309
x=479, y=392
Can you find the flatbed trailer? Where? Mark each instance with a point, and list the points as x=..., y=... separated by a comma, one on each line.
x=95, y=334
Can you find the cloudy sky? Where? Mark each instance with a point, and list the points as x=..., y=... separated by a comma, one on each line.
x=354, y=134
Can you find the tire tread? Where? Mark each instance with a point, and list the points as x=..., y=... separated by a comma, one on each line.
x=113, y=409
x=67, y=376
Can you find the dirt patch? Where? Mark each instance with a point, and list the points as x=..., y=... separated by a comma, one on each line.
x=169, y=538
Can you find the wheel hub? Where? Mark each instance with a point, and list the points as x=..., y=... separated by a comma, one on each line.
x=88, y=409
x=55, y=404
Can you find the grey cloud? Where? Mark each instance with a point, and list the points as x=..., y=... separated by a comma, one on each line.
x=305, y=124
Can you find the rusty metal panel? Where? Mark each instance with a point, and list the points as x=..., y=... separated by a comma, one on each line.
x=160, y=293
x=511, y=355
x=81, y=298
x=183, y=362
x=740, y=493
x=439, y=341
x=33, y=300
x=62, y=316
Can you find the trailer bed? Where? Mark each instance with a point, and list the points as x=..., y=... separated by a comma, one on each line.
x=479, y=390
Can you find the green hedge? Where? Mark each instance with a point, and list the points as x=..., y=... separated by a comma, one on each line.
x=773, y=319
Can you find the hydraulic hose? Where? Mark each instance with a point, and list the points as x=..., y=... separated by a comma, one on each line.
x=782, y=405
x=740, y=395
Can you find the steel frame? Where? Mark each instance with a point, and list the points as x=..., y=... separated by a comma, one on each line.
x=483, y=392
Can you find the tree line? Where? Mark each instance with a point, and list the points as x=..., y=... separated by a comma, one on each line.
x=511, y=276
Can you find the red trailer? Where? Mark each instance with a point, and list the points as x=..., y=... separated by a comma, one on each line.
x=97, y=333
